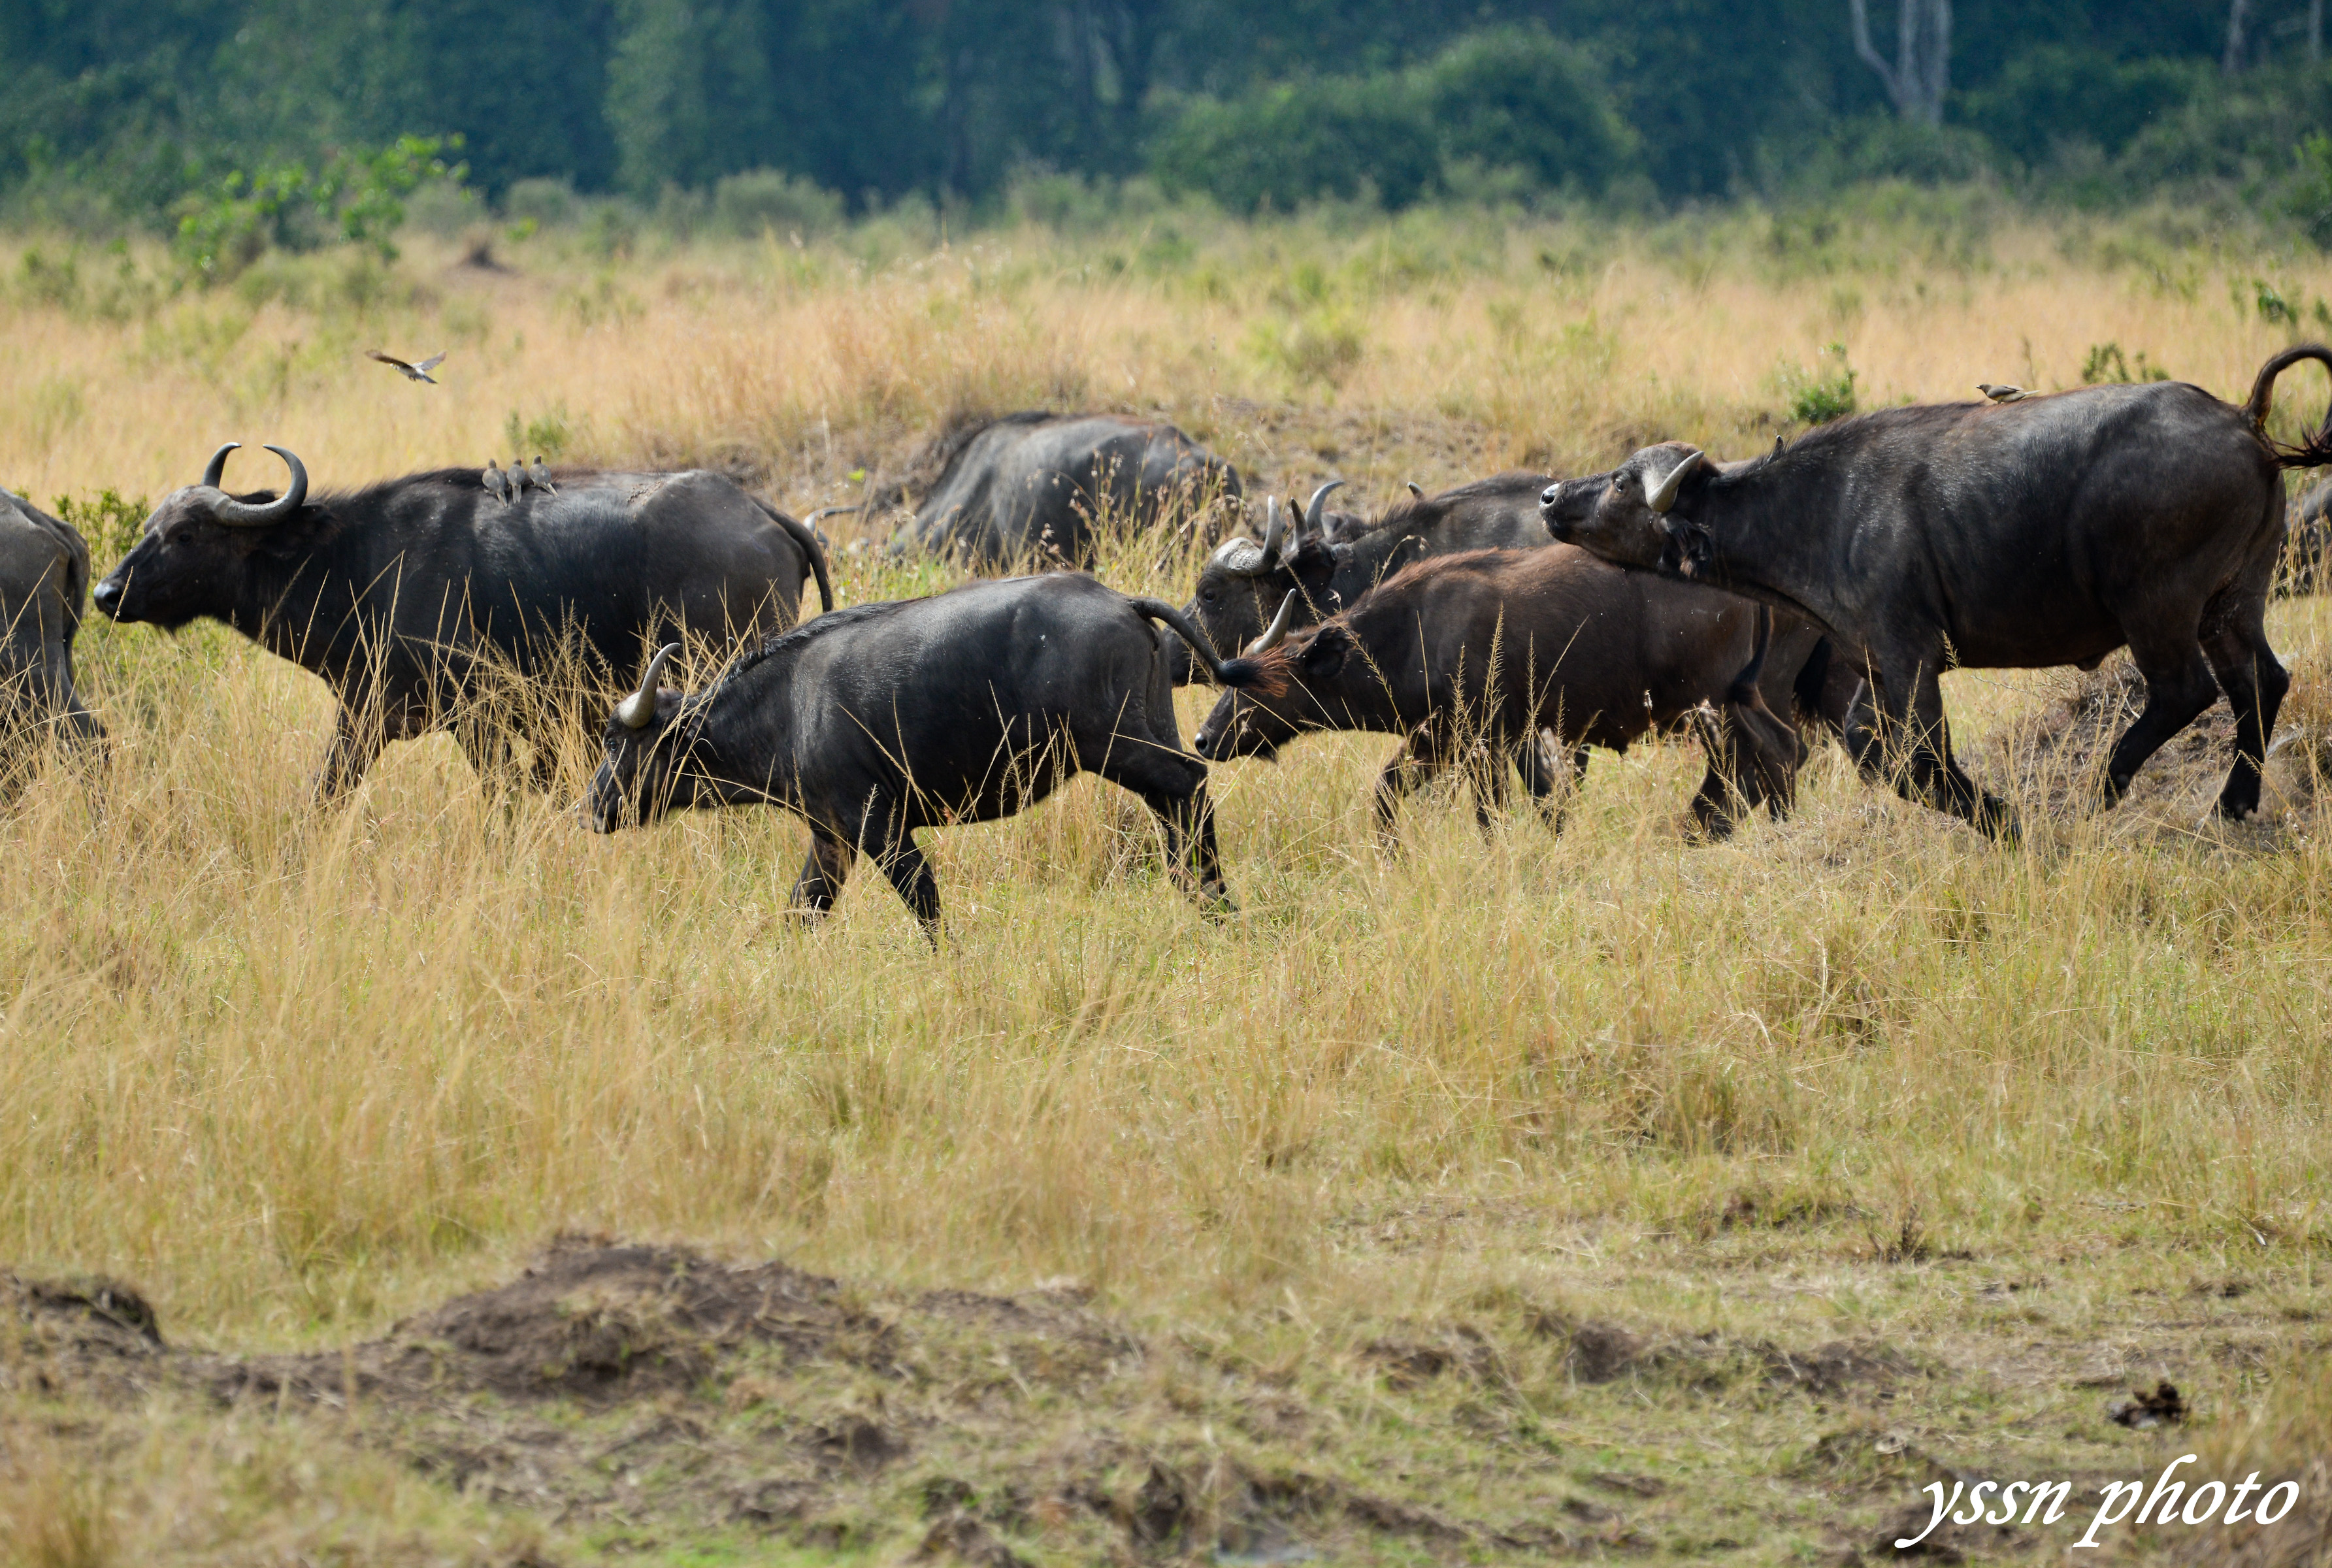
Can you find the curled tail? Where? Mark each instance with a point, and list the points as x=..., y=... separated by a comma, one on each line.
x=806, y=537
x=1227, y=671
x=2316, y=451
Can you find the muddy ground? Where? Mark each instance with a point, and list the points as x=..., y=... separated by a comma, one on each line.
x=651, y=1403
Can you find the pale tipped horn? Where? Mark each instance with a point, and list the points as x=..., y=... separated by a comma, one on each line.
x=1275, y=529
x=811, y=521
x=1417, y=490
x=1312, y=507
x=235, y=513
x=1665, y=497
x=215, y=469
x=1276, y=632
x=637, y=710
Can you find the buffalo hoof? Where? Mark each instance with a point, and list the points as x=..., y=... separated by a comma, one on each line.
x=1215, y=901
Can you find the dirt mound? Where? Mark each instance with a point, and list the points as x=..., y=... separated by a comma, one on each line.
x=589, y=1321
x=2053, y=759
x=652, y=1394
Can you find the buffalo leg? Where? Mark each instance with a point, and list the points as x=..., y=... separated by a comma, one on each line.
x=356, y=742
x=1917, y=751
x=2179, y=686
x=1548, y=779
x=2255, y=684
x=1724, y=784
x=911, y=874
x=822, y=874
x=1414, y=764
x=1174, y=787
x=1486, y=772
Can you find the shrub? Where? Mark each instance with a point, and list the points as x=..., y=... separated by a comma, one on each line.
x=546, y=201
x=358, y=196
x=1519, y=98
x=768, y=199
x=2056, y=92
x=109, y=522
x=1819, y=396
x=1347, y=136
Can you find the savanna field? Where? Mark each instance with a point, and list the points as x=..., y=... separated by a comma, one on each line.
x=1510, y=1197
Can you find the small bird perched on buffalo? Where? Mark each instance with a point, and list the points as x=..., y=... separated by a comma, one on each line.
x=411, y=372
x=496, y=485
x=2003, y=394
x=540, y=476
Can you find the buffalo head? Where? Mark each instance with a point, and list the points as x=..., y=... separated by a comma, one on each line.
x=1257, y=720
x=194, y=546
x=1243, y=579
x=640, y=776
x=1638, y=514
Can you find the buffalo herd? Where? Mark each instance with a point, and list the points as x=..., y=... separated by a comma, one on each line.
x=1497, y=630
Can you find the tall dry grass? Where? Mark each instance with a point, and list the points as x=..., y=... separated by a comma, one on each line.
x=294, y=1072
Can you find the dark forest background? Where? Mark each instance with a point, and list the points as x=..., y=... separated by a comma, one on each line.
x=129, y=113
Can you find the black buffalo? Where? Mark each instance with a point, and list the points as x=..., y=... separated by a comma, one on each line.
x=1042, y=488
x=2050, y=530
x=1488, y=648
x=415, y=597
x=1244, y=582
x=878, y=720
x=44, y=580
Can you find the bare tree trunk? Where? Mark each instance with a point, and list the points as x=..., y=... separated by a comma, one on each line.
x=2238, y=13
x=1921, y=77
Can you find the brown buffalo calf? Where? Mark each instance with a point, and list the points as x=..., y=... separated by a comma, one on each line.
x=1470, y=657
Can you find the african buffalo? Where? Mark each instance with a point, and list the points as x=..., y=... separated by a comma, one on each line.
x=2050, y=530
x=877, y=720
x=1244, y=582
x=1491, y=646
x=414, y=597
x=1036, y=487
x=43, y=575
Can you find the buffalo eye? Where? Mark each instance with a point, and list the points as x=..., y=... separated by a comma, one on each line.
x=1206, y=595
x=182, y=536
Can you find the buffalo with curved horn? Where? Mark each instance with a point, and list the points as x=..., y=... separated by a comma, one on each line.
x=1243, y=581
x=2048, y=531
x=416, y=598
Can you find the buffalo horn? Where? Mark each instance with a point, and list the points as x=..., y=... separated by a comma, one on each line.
x=1417, y=490
x=1663, y=498
x=1276, y=632
x=638, y=708
x=1275, y=529
x=811, y=521
x=235, y=513
x=216, y=469
x=1312, y=507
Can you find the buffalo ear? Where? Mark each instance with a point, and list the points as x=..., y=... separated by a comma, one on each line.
x=1313, y=558
x=1325, y=654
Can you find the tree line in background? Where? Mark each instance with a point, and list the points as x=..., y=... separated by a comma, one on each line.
x=315, y=112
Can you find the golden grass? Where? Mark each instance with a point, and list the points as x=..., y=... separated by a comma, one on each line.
x=297, y=1075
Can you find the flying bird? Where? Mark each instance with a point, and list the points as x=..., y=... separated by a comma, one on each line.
x=412, y=372
x=496, y=485
x=2003, y=394
x=541, y=475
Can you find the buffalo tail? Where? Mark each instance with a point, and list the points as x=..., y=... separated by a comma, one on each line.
x=1238, y=673
x=2315, y=452
x=810, y=547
